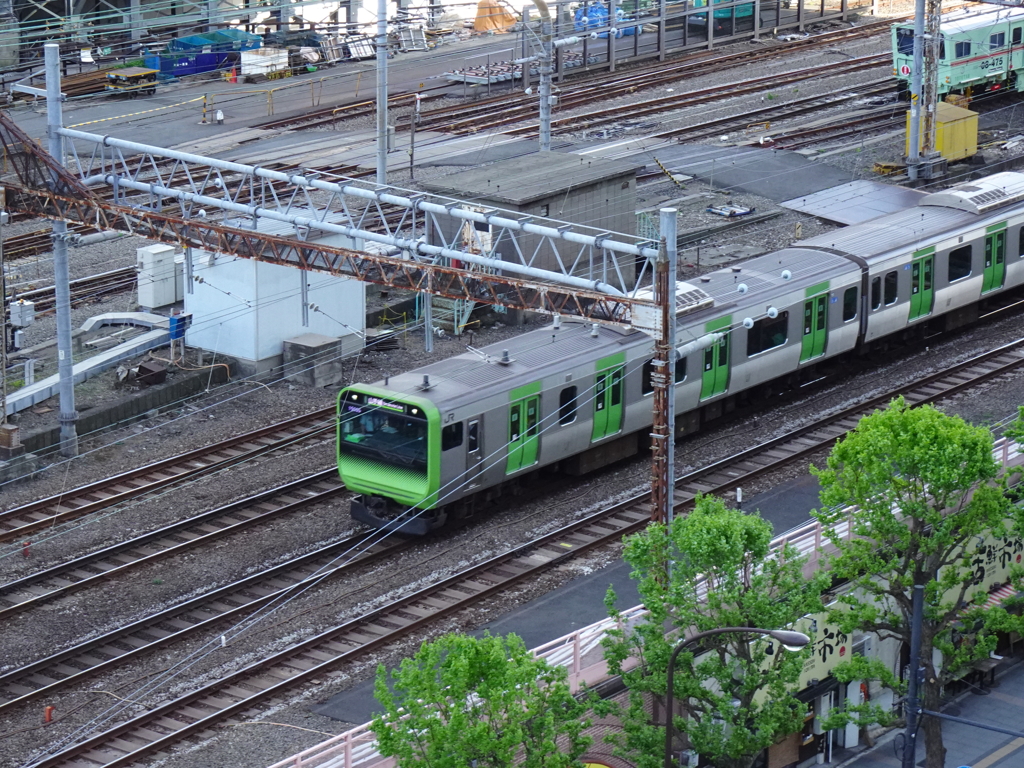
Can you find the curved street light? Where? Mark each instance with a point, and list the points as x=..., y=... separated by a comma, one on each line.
x=790, y=640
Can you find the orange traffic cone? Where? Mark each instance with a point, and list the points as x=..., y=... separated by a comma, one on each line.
x=234, y=76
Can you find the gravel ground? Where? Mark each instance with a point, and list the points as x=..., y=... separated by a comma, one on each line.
x=274, y=732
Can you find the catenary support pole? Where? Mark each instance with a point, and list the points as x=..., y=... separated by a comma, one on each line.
x=382, y=91
x=916, y=76
x=546, y=69
x=913, y=706
x=663, y=375
x=61, y=278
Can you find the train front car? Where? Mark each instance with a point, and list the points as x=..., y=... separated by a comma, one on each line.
x=388, y=447
x=979, y=51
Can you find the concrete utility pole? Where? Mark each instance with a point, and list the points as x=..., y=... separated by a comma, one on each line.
x=924, y=160
x=61, y=277
x=663, y=375
x=546, y=71
x=382, y=91
x=914, y=158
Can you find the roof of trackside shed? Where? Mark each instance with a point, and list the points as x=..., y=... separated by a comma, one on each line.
x=522, y=180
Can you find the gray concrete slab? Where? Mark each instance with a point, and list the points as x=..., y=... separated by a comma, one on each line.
x=777, y=174
x=856, y=202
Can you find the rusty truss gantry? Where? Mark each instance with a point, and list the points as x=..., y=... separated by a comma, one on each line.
x=214, y=205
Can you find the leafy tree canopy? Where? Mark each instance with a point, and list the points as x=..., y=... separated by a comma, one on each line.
x=487, y=702
x=926, y=489
x=711, y=569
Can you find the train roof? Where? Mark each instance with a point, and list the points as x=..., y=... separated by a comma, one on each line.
x=462, y=378
x=936, y=213
x=968, y=19
x=529, y=357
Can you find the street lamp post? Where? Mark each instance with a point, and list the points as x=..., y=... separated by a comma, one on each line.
x=788, y=638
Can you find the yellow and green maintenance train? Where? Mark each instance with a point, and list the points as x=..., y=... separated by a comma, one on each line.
x=980, y=51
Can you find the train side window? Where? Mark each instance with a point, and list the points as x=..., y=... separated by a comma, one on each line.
x=1018, y=33
x=646, y=385
x=849, y=304
x=767, y=334
x=451, y=436
x=891, y=287
x=473, y=437
x=997, y=41
x=963, y=48
x=1020, y=241
x=680, y=370
x=959, y=263
x=567, y=406
x=876, y=293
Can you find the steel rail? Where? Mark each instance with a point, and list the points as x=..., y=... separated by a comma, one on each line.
x=594, y=86
x=59, y=580
x=662, y=104
x=198, y=710
x=204, y=612
x=676, y=101
x=45, y=513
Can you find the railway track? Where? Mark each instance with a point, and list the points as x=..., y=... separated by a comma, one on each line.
x=583, y=88
x=164, y=627
x=275, y=676
x=83, y=289
x=17, y=523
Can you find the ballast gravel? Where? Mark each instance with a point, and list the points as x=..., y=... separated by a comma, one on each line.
x=274, y=731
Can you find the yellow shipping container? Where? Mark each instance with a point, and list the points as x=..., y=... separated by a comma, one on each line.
x=956, y=132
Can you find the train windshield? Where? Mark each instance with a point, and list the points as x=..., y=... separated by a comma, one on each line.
x=380, y=429
x=904, y=41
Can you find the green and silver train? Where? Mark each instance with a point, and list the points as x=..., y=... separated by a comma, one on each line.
x=980, y=51
x=430, y=445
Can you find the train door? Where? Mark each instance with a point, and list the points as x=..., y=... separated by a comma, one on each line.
x=715, y=379
x=995, y=257
x=523, y=427
x=922, y=283
x=474, y=450
x=815, y=323
x=608, y=399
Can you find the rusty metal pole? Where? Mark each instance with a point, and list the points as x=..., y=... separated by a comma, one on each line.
x=663, y=374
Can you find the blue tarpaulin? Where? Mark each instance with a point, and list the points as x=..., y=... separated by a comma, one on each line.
x=595, y=15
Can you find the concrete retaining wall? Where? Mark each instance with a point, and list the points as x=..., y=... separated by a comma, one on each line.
x=130, y=408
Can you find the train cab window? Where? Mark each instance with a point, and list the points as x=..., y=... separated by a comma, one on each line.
x=959, y=263
x=891, y=287
x=1018, y=33
x=905, y=41
x=567, y=406
x=849, y=304
x=647, y=385
x=963, y=49
x=451, y=436
x=473, y=437
x=876, y=293
x=767, y=333
x=997, y=41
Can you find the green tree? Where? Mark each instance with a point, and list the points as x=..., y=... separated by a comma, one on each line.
x=927, y=487
x=738, y=698
x=487, y=702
